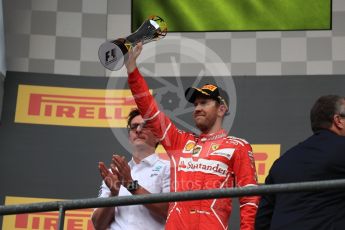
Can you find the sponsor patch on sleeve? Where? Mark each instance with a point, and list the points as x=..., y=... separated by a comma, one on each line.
x=228, y=152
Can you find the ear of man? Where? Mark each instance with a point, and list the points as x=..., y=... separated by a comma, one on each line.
x=222, y=109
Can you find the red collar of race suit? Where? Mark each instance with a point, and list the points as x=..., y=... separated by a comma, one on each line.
x=213, y=136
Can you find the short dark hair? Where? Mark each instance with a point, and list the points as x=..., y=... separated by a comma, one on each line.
x=132, y=114
x=323, y=111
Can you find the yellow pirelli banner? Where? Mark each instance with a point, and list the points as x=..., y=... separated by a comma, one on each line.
x=74, y=219
x=73, y=106
x=264, y=156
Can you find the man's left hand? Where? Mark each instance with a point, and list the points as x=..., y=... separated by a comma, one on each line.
x=123, y=169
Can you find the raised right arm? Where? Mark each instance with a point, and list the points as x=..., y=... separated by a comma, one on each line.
x=157, y=121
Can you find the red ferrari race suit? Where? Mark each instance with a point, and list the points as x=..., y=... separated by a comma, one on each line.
x=198, y=163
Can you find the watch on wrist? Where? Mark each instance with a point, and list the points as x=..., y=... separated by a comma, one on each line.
x=132, y=186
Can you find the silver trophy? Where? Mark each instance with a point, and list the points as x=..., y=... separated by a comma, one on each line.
x=113, y=54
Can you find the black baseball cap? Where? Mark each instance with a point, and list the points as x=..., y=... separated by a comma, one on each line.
x=209, y=90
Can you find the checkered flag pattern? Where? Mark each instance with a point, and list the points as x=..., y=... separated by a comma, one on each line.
x=63, y=37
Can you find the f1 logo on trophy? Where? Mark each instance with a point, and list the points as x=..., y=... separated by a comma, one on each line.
x=113, y=54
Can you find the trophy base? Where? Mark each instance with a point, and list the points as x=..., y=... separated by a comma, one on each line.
x=112, y=54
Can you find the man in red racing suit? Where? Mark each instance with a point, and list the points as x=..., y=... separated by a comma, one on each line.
x=208, y=161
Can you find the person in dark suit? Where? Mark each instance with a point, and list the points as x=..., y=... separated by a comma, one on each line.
x=320, y=157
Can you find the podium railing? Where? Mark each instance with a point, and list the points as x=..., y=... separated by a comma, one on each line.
x=62, y=206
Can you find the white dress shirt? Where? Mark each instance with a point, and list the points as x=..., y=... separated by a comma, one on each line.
x=153, y=174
